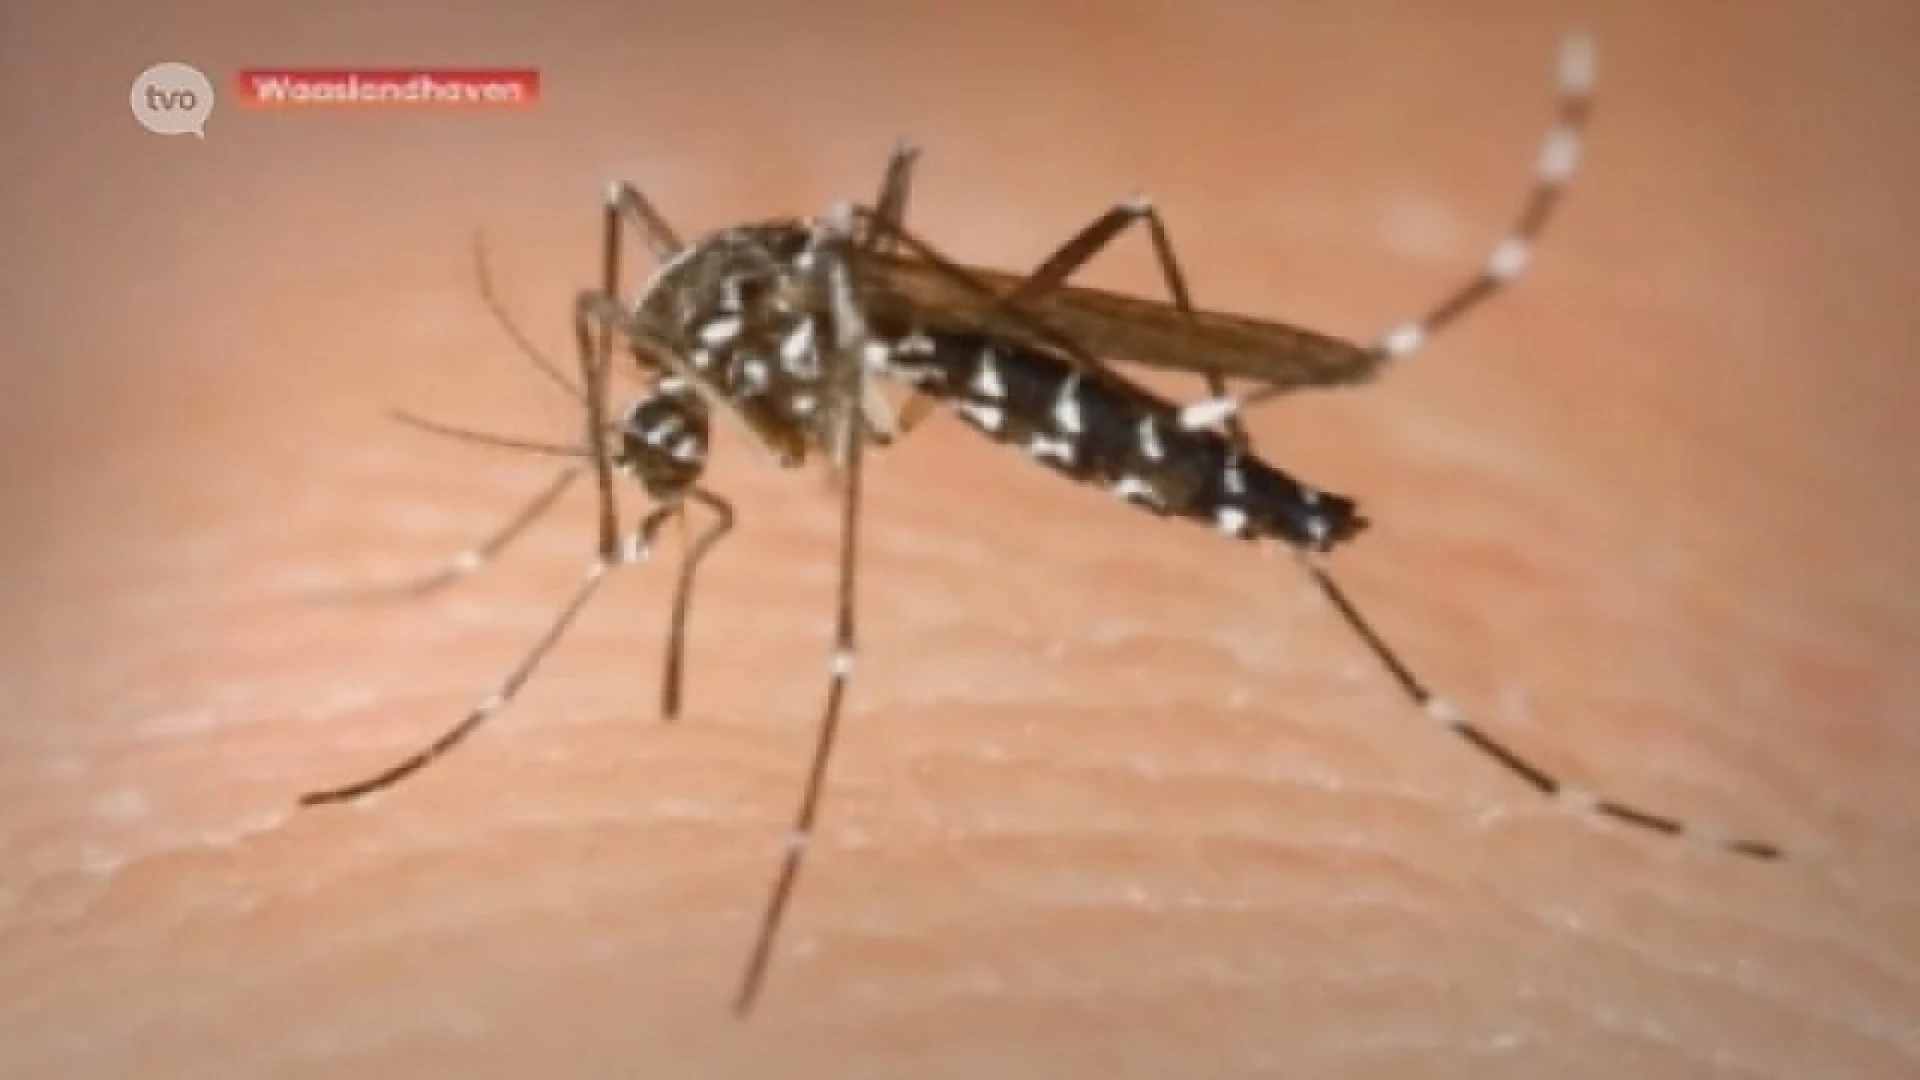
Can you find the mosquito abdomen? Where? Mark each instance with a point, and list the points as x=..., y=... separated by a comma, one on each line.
x=1099, y=429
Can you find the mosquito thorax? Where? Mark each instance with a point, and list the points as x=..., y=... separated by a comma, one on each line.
x=740, y=307
x=743, y=286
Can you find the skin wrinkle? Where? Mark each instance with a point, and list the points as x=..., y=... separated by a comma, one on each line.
x=1107, y=804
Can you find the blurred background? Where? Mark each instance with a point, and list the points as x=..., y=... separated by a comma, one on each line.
x=1115, y=797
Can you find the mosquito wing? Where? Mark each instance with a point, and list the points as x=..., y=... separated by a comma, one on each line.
x=1113, y=326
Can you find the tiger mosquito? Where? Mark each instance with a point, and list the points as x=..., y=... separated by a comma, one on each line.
x=784, y=328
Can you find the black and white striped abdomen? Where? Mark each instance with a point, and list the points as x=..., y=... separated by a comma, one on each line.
x=1099, y=429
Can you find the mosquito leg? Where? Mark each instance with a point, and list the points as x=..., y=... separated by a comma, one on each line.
x=626, y=204
x=470, y=561
x=673, y=678
x=487, y=438
x=595, y=317
x=1071, y=350
x=481, y=555
x=500, y=697
x=847, y=376
x=882, y=239
x=595, y=356
x=1559, y=158
x=891, y=206
x=1090, y=242
x=1577, y=799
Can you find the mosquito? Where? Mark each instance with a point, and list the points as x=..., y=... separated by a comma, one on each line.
x=789, y=329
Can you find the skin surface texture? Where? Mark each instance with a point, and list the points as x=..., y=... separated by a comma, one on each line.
x=1115, y=797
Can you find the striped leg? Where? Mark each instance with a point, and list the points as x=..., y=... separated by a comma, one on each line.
x=474, y=559
x=849, y=376
x=626, y=205
x=880, y=235
x=1577, y=799
x=596, y=358
x=1558, y=160
x=969, y=281
x=673, y=676
x=631, y=552
x=1091, y=241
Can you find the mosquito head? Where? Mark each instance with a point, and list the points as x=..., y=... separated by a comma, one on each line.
x=663, y=439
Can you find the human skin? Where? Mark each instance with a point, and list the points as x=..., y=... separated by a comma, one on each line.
x=1115, y=797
